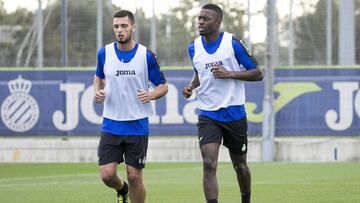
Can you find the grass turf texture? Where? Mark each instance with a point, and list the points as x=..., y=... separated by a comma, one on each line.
x=181, y=182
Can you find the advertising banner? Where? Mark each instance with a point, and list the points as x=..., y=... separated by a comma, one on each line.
x=309, y=102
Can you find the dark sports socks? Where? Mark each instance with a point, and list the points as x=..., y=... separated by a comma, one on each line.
x=245, y=198
x=123, y=192
x=212, y=201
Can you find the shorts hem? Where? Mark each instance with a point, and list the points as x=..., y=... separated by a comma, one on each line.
x=237, y=152
x=109, y=162
x=135, y=166
x=201, y=144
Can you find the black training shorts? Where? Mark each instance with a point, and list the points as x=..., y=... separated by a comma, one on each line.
x=114, y=148
x=233, y=134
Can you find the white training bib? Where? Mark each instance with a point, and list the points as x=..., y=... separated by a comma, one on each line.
x=214, y=94
x=122, y=82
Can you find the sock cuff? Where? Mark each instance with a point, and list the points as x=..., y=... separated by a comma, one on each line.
x=245, y=197
x=124, y=190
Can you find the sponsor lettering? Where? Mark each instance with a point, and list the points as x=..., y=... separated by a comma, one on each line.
x=20, y=108
x=70, y=119
x=212, y=64
x=349, y=100
x=125, y=72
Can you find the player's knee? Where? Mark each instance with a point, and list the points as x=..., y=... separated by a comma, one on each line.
x=241, y=168
x=134, y=178
x=107, y=175
x=209, y=165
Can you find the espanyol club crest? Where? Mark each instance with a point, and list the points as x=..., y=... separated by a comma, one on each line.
x=19, y=111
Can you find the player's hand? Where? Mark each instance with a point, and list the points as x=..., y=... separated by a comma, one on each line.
x=220, y=72
x=143, y=96
x=99, y=96
x=187, y=91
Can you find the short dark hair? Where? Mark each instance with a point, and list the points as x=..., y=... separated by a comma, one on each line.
x=124, y=13
x=215, y=8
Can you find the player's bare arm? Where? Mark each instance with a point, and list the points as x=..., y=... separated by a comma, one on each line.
x=99, y=85
x=159, y=91
x=249, y=75
x=194, y=83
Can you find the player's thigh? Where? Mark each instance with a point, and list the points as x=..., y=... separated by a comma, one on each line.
x=110, y=149
x=208, y=131
x=136, y=150
x=210, y=152
x=235, y=136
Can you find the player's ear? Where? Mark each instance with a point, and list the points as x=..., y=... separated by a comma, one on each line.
x=134, y=27
x=219, y=22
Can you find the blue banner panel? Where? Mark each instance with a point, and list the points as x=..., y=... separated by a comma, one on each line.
x=55, y=102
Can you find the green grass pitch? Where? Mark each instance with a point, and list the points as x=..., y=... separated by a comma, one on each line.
x=181, y=182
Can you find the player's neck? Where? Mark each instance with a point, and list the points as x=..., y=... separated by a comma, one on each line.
x=212, y=37
x=127, y=46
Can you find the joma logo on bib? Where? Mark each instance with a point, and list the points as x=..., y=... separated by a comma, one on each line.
x=125, y=72
x=210, y=65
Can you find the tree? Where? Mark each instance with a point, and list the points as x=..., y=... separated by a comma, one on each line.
x=143, y=28
x=310, y=32
x=81, y=23
x=15, y=25
x=179, y=27
x=175, y=30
